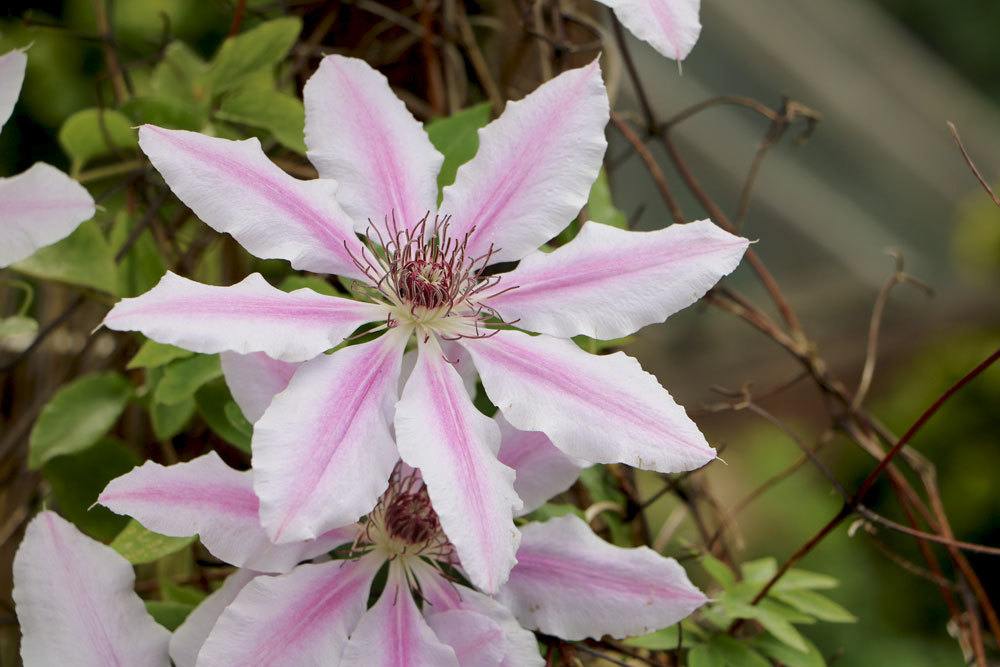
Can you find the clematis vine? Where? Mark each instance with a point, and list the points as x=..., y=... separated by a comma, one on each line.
x=567, y=582
x=432, y=274
x=669, y=26
x=41, y=205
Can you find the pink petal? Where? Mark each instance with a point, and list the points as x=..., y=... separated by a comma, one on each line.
x=475, y=639
x=208, y=498
x=293, y=620
x=323, y=451
x=250, y=316
x=37, y=208
x=394, y=634
x=608, y=282
x=604, y=409
x=12, y=66
x=440, y=432
x=572, y=584
x=670, y=26
x=254, y=379
x=187, y=640
x=542, y=469
x=534, y=168
x=361, y=135
x=236, y=189
x=75, y=602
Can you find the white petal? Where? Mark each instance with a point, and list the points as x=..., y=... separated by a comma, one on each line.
x=300, y=619
x=37, y=208
x=12, y=66
x=234, y=188
x=534, y=168
x=362, y=136
x=323, y=451
x=440, y=432
x=608, y=282
x=187, y=640
x=542, y=469
x=208, y=498
x=604, y=409
x=670, y=26
x=393, y=633
x=75, y=602
x=572, y=584
x=250, y=316
x=254, y=379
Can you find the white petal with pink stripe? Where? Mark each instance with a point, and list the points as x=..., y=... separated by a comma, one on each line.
x=669, y=26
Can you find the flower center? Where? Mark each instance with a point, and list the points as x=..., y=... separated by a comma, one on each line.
x=404, y=523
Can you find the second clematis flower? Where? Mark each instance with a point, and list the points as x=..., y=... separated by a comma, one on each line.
x=325, y=447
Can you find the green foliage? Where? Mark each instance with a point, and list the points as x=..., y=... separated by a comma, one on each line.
x=139, y=545
x=17, y=331
x=154, y=355
x=724, y=651
x=315, y=283
x=169, y=614
x=602, y=488
x=94, y=133
x=245, y=54
x=142, y=267
x=184, y=377
x=457, y=138
x=217, y=407
x=280, y=114
x=600, y=208
x=79, y=415
x=83, y=258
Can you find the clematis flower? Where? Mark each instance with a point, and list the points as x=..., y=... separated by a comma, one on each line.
x=427, y=273
x=567, y=582
x=669, y=26
x=75, y=602
x=41, y=205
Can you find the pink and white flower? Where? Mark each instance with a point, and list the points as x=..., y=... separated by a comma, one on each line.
x=430, y=276
x=75, y=602
x=567, y=582
x=41, y=205
x=669, y=26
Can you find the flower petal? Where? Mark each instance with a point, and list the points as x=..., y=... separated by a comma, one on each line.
x=187, y=640
x=76, y=604
x=37, y=208
x=393, y=633
x=12, y=66
x=254, y=379
x=604, y=409
x=608, y=282
x=323, y=451
x=361, y=135
x=475, y=639
x=627, y=591
x=670, y=26
x=250, y=316
x=534, y=168
x=236, y=189
x=542, y=469
x=440, y=432
x=207, y=497
x=296, y=619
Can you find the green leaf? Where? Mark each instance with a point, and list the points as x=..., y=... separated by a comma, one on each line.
x=164, y=112
x=182, y=76
x=139, y=545
x=93, y=133
x=728, y=652
x=769, y=619
x=600, y=208
x=704, y=656
x=154, y=355
x=795, y=580
x=759, y=571
x=169, y=420
x=817, y=605
x=182, y=378
x=243, y=55
x=77, y=479
x=236, y=418
x=600, y=485
x=83, y=258
x=79, y=415
x=315, y=283
x=661, y=640
x=457, y=138
x=212, y=400
x=280, y=114
x=169, y=614
x=17, y=332
x=553, y=510
x=787, y=656
x=718, y=571
x=140, y=269
x=172, y=592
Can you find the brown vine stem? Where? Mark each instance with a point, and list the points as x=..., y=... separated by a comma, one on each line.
x=972, y=164
x=659, y=178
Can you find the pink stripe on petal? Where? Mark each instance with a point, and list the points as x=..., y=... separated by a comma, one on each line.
x=608, y=283
x=323, y=451
x=550, y=385
x=629, y=591
x=542, y=470
x=236, y=189
x=669, y=26
x=250, y=316
x=64, y=580
x=534, y=168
